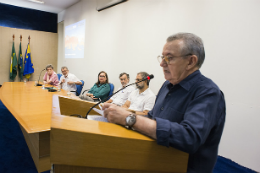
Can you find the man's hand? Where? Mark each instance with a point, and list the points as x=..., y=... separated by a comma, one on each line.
x=115, y=114
x=63, y=80
x=70, y=82
x=89, y=94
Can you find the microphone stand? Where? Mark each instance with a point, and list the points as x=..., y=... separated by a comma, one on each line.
x=39, y=78
x=148, y=78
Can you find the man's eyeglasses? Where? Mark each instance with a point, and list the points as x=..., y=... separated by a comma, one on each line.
x=168, y=59
x=138, y=80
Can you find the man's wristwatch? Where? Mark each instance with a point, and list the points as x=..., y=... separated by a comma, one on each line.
x=130, y=120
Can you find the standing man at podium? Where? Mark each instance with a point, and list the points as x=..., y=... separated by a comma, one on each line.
x=189, y=112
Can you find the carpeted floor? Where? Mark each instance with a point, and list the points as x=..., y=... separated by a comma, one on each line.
x=15, y=156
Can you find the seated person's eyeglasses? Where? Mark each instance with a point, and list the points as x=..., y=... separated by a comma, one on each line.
x=169, y=59
x=102, y=76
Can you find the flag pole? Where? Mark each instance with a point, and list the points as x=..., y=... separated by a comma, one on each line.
x=21, y=37
x=29, y=38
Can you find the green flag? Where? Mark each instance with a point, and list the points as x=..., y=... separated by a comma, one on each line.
x=20, y=62
x=13, y=66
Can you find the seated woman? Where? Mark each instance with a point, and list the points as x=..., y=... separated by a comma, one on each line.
x=50, y=76
x=100, y=90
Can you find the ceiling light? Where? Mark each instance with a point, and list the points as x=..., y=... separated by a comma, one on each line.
x=37, y=1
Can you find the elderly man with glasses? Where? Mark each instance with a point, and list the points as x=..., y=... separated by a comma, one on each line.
x=68, y=81
x=189, y=112
x=121, y=97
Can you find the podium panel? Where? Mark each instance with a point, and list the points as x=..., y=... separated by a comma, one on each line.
x=85, y=145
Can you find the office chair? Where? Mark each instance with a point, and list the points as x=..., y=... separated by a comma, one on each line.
x=79, y=88
x=111, y=89
x=59, y=75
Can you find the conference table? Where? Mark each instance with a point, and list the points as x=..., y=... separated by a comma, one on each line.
x=32, y=107
x=51, y=136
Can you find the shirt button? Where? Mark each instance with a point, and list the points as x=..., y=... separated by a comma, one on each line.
x=161, y=108
x=169, y=94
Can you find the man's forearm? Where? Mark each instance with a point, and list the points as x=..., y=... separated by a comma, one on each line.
x=109, y=101
x=78, y=83
x=141, y=113
x=145, y=126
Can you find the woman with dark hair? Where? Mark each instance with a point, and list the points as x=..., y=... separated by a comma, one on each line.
x=100, y=90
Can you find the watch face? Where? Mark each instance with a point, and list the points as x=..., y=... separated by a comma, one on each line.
x=130, y=120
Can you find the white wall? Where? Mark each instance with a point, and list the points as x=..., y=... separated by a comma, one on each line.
x=128, y=38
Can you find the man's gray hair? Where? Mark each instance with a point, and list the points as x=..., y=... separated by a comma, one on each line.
x=49, y=66
x=144, y=76
x=192, y=45
x=124, y=73
x=64, y=67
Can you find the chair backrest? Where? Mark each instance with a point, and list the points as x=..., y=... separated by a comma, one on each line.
x=59, y=75
x=79, y=88
x=111, y=88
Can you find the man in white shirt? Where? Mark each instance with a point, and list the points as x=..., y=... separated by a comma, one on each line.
x=142, y=100
x=121, y=97
x=68, y=81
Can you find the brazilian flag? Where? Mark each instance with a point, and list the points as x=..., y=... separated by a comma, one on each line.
x=13, y=66
x=28, y=64
x=20, y=62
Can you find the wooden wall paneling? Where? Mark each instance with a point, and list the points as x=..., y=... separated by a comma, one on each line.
x=44, y=50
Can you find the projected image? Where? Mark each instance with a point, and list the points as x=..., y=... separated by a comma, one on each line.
x=74, y=40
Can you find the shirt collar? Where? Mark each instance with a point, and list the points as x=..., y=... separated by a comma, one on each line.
x=188, y=81
x=143, y=92
x=125, y=85
x=67, y=75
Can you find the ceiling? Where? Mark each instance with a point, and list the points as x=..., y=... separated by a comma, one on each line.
x=53, y=6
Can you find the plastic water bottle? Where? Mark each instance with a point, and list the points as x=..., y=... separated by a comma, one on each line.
x=58, y=88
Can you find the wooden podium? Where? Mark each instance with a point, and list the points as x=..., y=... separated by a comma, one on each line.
x=79, y=145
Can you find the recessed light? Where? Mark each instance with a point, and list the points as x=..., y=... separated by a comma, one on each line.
x=37, y=1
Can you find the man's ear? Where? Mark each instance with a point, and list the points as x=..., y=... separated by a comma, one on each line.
x=192, y=62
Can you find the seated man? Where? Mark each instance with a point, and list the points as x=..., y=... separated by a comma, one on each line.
x=68, y=81
x=141, y=101
x=121, y=97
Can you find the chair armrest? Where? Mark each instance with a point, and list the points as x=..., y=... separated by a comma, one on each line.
x=85, y=91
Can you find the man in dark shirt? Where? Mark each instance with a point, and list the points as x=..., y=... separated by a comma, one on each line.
x=189, y=112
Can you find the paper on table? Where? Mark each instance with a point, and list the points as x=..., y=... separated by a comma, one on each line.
x=101, y=112
x=97, y=117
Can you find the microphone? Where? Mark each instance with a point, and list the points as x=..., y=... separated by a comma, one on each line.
x=147, y=78
x=39, y=78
